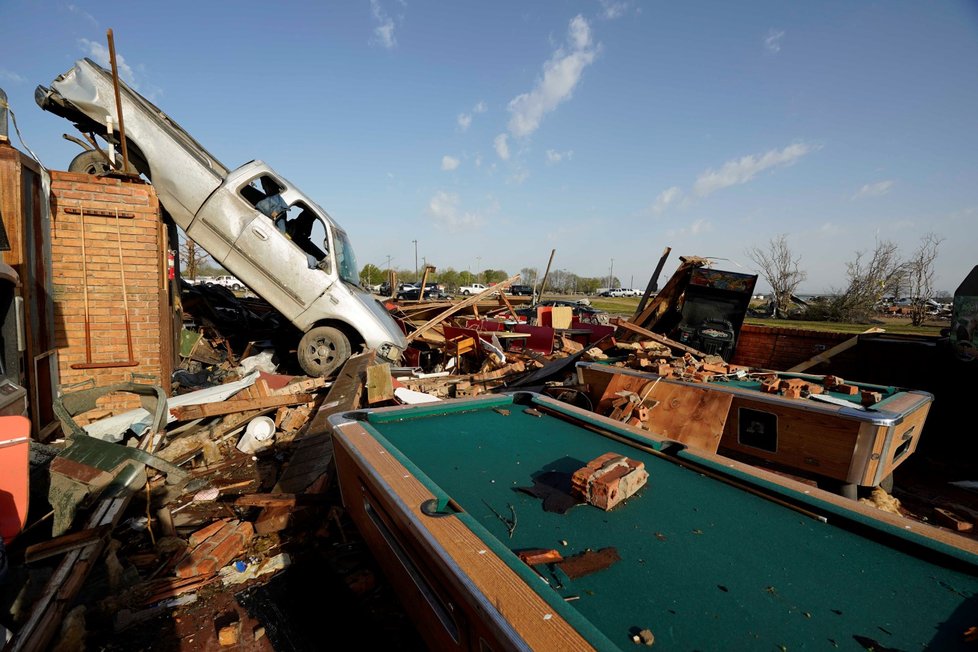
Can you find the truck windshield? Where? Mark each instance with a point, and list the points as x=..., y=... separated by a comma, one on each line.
x=346, y=260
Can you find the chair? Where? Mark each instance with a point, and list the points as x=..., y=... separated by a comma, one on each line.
x=598, y=331
x=541, y=338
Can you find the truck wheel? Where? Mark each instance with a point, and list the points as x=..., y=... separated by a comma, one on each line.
x=90, y=162
x=322, y=350
x=465, y=292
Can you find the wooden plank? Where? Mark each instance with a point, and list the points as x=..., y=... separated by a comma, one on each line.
x=221, y=408
x=661, y=339
x=692, y=415
x=280, y=500
x=65, y=543
x=825, y=356
x=471, y=301
x=380, y=385
x=653, y=285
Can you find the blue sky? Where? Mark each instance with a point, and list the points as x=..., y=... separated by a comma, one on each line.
x=494, y=132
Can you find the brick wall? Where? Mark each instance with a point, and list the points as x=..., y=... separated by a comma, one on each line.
x=100, y=273
x=782, y=348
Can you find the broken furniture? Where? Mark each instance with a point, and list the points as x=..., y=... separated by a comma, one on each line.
x=432, y=490
x=814, y=426
x=88, y=468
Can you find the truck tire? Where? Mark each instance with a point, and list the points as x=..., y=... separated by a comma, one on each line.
x=322, y=351
x=465, y=292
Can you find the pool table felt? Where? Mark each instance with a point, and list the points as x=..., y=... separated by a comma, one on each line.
x=704, y=564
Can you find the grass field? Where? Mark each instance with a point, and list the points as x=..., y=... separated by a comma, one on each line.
x=625, y=307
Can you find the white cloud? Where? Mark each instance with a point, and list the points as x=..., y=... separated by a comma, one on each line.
x=449, y=163
x=8, y=76
x=502, y=146
x=772, y=42
x=554, y=157
x=877, y=189
x=384, y=31
x=698, y=227
x=829, y=228
x=85, y=15
x=465, y=119
x=444, y=208
x=744, y=169
x=100, y=54
x=611, y=9
x=519, y=176
x=666, y=198
x=561, y=74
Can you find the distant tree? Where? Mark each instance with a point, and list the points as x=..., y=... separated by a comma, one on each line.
x=371, y=274
x=494, y=276
x=192, y=258
x=869, y=277
x=449, y=278
x=779, y=267
x=588, y=285
x=529, y=276
x=466, y=278
x=919, y=272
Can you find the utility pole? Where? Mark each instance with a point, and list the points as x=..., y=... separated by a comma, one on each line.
x=478, y=264
x=415, y=258
x=611, y=276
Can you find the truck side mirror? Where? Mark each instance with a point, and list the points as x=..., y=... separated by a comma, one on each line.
x=324, y=264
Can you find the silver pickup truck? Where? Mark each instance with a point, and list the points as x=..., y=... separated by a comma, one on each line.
x=260, y=227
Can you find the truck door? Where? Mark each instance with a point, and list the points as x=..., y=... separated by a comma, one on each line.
x=286, y=258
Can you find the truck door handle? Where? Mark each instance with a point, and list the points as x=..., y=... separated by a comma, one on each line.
x=260, y=233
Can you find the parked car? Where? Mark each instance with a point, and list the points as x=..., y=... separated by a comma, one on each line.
x=613, y=292
x=432, y=291
x=520, y=290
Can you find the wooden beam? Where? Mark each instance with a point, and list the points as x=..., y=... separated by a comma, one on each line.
x=380, y=385
x=280, y=500
x=221, y=408
x=825, y=356
x=653, y=283
x=661, y=339
x=543, y=283
x=471, y=301
x=65, y=543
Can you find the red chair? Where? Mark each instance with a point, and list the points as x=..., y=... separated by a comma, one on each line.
x=598, y=331
x=541, y=338
x=485, y=325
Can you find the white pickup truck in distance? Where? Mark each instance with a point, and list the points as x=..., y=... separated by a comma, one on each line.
x=251, y=220
x=475, y=288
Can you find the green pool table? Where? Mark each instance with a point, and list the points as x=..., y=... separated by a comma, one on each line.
x=710, y=554
x=829, y=436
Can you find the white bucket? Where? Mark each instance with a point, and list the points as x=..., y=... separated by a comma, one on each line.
x=257, y=435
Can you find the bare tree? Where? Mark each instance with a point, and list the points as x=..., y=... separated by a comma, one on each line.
x=920, y=276
x=779, y=267
x=869, y=278
x=192, y=258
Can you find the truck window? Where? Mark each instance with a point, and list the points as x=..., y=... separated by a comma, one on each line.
x=346, y=261
x=306, y=231
x=264, y=194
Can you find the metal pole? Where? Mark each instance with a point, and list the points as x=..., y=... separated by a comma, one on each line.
x=118, y=104
x=415, y=258
x=611, y=276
